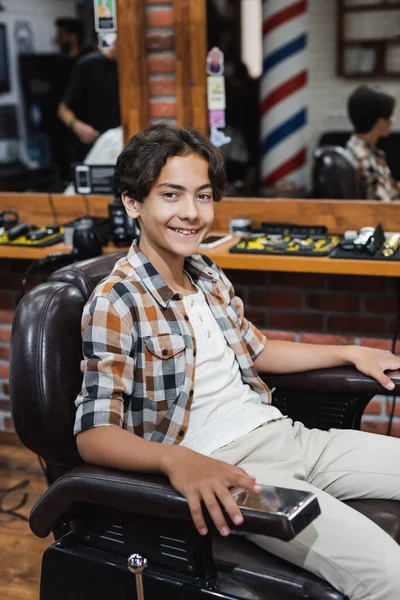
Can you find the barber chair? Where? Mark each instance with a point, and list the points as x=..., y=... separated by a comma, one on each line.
x=334, y=176
x=100, y=516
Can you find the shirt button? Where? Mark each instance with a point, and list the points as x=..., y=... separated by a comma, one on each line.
x=191, y=393
x=194, y=352
x=181, y=433
x=165, y=352
x=186, y=318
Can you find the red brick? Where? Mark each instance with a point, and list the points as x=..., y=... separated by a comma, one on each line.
x=380, y=304
x=380, y=427
x=356, y=324
x=8, y=424
x=6, y=316
x=278, y=299
x=273, y=334
x=14, y=266
x=381, y=343
x=6, y=389
x=333, y=302
x=162, y=110
x=4, y=371
x=374, y=407
x=11, y=282
x=5, y=405
x=324, y=338
x=161, y=64
x=160, y=41
x=160, y=17
x=162, y=87
x=355, y=283
x=4, y=353
x=298, y=280
x=299, y=321
x=251, y=278
x=5, y=334
x=256, y=316
x=7, y=300
x=389, y=407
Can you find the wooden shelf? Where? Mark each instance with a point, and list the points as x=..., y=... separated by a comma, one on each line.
x=372, y=42
x=247, y=262
x=372, y=7
x=376, y=61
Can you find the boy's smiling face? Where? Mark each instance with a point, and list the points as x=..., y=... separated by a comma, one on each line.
x=178, y=212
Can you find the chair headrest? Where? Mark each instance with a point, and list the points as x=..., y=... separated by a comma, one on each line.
x=86, y=274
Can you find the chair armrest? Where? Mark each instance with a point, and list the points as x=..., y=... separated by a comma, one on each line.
x=339, y=380
x=148, y=495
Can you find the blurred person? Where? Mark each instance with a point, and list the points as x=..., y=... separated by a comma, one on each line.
x=69, y=36
x=91, y=102
x=371, y=112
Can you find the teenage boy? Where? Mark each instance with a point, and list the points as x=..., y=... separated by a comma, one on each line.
x=371, y=111
x=171, y=380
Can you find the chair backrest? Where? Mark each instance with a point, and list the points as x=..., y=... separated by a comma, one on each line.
x=334, y=176
x=46, y=350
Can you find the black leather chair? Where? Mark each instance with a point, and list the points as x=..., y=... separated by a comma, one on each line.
x=334, y=176
x=101, y=516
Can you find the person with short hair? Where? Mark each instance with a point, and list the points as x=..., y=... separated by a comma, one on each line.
x=90, y=105
x=70, y=36
x=371, y=111
x=171, y=380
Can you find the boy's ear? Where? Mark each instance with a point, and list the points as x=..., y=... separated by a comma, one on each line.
x=132, y=206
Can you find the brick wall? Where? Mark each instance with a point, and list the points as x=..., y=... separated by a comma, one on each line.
x=160, y=45
x=311, y=308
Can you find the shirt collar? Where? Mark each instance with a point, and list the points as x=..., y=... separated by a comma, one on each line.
x=198, y=266
x=356, y=141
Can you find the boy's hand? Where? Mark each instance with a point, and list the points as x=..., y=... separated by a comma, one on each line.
x=374, y=362
x=200, y=478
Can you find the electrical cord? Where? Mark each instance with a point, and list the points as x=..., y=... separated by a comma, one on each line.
x=58, y=260
x=394, y=340
x=13, y=510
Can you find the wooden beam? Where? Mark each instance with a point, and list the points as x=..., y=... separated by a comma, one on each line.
x=132, y=66
x=191, y=53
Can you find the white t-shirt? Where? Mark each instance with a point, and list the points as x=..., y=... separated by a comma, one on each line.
x=223, y=407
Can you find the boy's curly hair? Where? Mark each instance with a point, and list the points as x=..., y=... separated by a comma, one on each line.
x=141, y=161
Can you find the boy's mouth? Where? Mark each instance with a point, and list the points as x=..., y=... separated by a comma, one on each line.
x=185, y=232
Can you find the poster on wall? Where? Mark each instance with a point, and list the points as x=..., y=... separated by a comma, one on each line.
x=105, y=16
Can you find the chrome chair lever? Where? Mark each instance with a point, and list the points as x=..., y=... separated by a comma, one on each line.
x=137, y=564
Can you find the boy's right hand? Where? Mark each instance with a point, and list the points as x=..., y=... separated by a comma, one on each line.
x=200, y=478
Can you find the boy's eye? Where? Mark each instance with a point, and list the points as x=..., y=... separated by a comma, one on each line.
x=169, y=195
x=205, y=197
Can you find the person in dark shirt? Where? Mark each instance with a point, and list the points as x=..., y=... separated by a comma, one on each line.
x=69, y=36
x=91, y=102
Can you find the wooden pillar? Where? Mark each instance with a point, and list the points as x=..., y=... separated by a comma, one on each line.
x=162, y=47
x=191, y=52
x=132, y=66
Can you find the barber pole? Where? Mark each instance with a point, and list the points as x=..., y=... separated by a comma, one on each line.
x=283, y=94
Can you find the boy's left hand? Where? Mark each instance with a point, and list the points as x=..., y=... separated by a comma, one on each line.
x=374, y=362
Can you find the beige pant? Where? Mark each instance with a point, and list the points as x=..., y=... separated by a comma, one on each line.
x=342, y=546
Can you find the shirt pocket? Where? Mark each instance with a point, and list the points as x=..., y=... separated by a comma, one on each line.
x=165, y=366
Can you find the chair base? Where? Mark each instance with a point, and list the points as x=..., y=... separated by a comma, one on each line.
x=72, y=570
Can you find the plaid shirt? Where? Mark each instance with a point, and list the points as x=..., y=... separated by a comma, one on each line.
x=374, y=173
x=140, y=350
